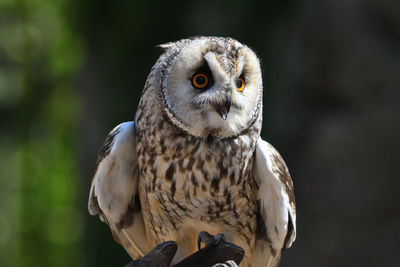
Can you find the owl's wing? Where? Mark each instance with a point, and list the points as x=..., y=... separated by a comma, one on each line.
x=277, y=207
x=114, y=190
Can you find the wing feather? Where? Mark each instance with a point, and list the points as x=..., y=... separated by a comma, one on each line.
x=114, y=190
x=276, y=198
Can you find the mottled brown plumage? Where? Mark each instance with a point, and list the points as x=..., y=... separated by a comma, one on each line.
x=193, y=160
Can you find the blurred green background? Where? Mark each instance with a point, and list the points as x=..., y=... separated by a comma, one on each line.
x=70, y=70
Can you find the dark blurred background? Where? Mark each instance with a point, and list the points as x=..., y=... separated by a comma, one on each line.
x=70, y=70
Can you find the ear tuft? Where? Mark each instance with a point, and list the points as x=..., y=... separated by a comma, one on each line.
x=166, y=46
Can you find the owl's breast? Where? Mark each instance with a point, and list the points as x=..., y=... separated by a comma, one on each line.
x=206, y=185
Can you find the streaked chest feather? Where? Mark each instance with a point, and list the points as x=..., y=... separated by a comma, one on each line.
x=187, y=179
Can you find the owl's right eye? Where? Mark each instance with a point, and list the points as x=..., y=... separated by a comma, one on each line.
x=199, y=80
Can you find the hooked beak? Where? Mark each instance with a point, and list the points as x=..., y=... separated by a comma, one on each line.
x=223, y=109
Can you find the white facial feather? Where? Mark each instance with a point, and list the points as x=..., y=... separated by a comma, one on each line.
x=194, y=109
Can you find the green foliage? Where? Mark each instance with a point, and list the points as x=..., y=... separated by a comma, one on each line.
x=41, y=221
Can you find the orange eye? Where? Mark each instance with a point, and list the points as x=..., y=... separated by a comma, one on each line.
x=240, y=84
x=200, y=80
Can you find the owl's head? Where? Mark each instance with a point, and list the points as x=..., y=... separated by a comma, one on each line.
x=210, y=86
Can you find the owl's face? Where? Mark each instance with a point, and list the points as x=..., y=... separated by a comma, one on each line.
x=211, y=86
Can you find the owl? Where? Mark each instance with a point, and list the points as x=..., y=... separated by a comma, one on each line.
x=193, y=160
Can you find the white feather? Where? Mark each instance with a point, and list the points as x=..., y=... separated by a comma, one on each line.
x=115, y=186
x=274, y=200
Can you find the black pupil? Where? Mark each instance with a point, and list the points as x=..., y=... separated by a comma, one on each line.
x=200, y=80
x=239, y=83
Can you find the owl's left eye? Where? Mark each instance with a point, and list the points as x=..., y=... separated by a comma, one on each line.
x=240, y=84
x=200, y=80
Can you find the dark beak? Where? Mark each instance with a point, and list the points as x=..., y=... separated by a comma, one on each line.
x=223, y=109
